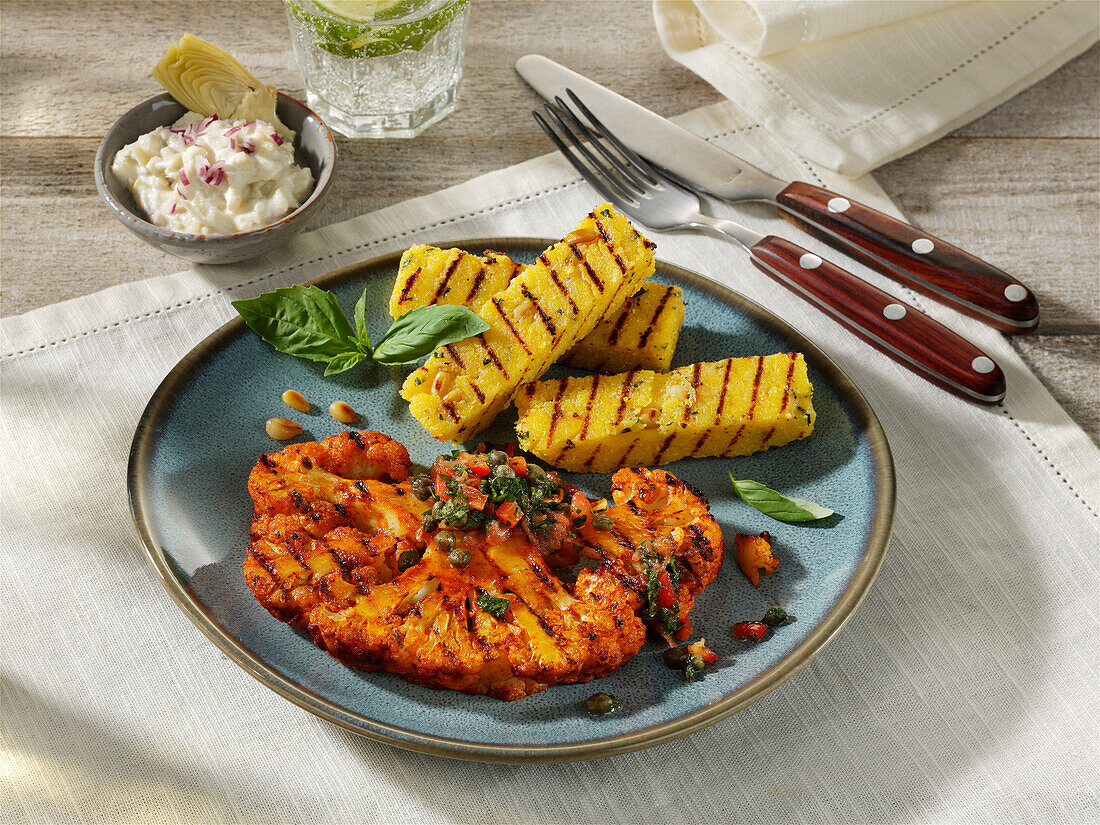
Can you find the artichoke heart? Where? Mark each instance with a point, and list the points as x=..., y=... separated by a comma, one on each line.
x=208, y=80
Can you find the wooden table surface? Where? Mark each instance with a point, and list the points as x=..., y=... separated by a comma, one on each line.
x=1018, y=187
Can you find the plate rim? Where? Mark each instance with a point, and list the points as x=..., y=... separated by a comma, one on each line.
x=849, y=601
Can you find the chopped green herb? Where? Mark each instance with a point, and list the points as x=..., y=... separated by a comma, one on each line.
x=494, y=605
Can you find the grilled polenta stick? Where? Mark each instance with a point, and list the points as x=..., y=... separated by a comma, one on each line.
x=726, y=408
x=642, y=334
x=539, y=316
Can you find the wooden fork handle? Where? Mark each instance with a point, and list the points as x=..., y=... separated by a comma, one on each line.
x=904, y=333
x=908, y=254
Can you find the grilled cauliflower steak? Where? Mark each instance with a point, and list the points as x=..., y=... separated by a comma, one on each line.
x=346, y=547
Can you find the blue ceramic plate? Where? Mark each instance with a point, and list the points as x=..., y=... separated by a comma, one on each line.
x=204, y=429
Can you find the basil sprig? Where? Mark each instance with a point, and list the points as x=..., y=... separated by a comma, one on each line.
x=775, y=504
x=307, y=322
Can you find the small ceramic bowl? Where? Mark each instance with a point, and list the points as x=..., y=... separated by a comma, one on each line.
x=314, y=147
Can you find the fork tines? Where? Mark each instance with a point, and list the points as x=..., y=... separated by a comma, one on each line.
x=625, y=178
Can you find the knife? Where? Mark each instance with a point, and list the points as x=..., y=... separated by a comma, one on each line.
x=894, y=248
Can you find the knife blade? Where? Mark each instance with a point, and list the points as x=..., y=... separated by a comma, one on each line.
x=896, y=249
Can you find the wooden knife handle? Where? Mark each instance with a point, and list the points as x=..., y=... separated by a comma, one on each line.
x=904, y=333
x=905, y=253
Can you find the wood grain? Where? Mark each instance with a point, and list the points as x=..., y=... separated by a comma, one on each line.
x=1017, y=187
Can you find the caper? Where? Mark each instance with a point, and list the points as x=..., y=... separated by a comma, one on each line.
x=777, y=616
x=602, y=521
x=459, y=557
x=498, y=458
x=563, y=507
x=504, y=471
x=422, y=487
x=407, y=558
x=601, y=704
x=675, y=657
x=437, y=510
x=697, y=662
x=445, y=540
x=428, y=521
x=535, y=473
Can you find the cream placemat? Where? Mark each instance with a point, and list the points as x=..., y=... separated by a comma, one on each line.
x=851, y=85
x=964, y=689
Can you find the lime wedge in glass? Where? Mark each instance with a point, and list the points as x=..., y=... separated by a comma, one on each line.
x=359, y=32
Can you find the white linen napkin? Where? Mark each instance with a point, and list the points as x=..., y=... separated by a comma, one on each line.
x=852, y=85
x=963, y=690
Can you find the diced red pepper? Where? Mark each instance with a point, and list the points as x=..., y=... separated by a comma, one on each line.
x=475, y=498
x=750, y=631
x=480, y=469
x=519, y=464
x=441, y=491
x=700, y=648
x=580, y=506
x=510, y=449
x=665, y=596
x=509, y=514
x=683, y=633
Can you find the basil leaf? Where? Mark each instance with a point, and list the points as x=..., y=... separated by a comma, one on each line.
x=344, y=361
x=418, y=333
x=300, y=320
x=361, y=321
x=777, y=505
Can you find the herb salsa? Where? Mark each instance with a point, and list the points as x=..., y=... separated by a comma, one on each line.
x=498, y=492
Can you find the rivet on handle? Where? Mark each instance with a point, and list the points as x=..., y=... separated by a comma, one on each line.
x=893, y=312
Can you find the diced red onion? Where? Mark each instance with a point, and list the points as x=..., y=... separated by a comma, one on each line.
x=233, y=143
x=247, y=147
x=275, y=136
x=208, y=173
x=172, y=211
x=186, y=181
x=232, y=131
x=180, y=193
x=206, y=121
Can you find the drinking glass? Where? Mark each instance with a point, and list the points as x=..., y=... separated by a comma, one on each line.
x=379, y=68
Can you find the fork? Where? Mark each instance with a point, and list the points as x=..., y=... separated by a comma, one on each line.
x=902, y=332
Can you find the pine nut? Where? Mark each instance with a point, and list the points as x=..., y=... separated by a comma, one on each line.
x=523, y=309
x=343, y=412
x=583, y=235
x=443, y=383
x=293, y=398
x=282, y=429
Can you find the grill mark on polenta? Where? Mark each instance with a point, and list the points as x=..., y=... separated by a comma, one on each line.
x=451, y=411
x=620, y=322
x=493, y=356
x=476, y=285
x=457, y=358
x=442, y=288
x=657, y=314
x=610, y=245
x=627, y=381
x=497, y=303
x=664, y=446
x=557, y=281
x=588, y=405
x=587, y=268
x=477, y=391
x=546, y=322
x=756, y=385
x=409, y=285
x=787, y=386
x=592, y=458
x=555, y=414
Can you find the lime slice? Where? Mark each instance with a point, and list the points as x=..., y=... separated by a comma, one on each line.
x=359, y=11
x=356, y=40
